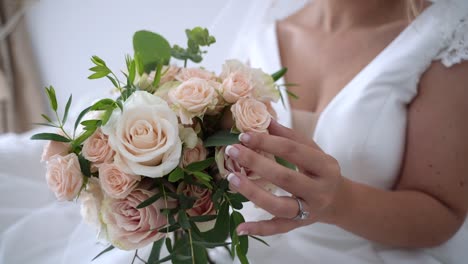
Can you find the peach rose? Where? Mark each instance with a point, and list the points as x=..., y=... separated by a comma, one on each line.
x=145, y=136
x=251, y=115
x=203, y=204
x=240, y=80
x=193, y=98
x=96, y=148
x=186, y=74
x=131, y=228
x=64, y=176
x=116, y=183
x=91, y=198
x=191, y=155
x=52, y=148
x=236, y=85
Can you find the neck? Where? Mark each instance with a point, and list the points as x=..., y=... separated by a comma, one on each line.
x=337, y=15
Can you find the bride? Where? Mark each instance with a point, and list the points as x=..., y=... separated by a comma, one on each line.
x=380, y=137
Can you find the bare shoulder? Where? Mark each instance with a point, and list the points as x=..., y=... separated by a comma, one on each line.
x=437, y=138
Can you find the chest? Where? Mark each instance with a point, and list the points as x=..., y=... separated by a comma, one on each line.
x=321, y=64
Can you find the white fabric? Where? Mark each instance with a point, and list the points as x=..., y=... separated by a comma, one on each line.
x=370, y=111
x=363, y=127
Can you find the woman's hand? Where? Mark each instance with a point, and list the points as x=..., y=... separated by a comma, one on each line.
x=317, y=183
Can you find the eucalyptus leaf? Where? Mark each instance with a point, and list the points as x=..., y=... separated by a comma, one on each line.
x=152, y=49
x=50, y=136
x=183, y=220
x=176, y=175
x=103, y=104
x=220, y=231
x=98, y=61
x=155, y=251
x=277, y=75
x=150, y=200
x=113, y=81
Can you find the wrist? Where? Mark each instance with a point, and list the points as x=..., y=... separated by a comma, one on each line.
x=341, y=205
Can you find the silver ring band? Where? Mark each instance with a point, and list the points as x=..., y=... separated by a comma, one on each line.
x=301, y=215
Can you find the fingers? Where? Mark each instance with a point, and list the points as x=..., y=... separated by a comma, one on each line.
x=303, y=156
x=270, y=227
x=277, y=129
x=287, y=179
x=278, y=206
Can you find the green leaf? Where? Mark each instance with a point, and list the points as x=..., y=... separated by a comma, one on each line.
x=85, y=135
x=285, y=163
x=155, y=251
x=91, y=123
x=170, y=228
x=111, y=247
x=200, y=36
x=202, y=218
x=50, y=136
x=80, y=116
x=85, y=166
x=169, y=244
x=48, y=119
x=67, y=108
x=291, y=94
x=106, y=116
x=157, y=77
x=211, y=244
x=99, y=68
x=150, y=200
x=200, y=165
x=99, y=75
x=113, y=81
x=203, y=178
x=103, y=104
x=220, y=231
x=242, y=257
x=52, y=97
x=183, y=220
x=277, y=75
x=236, y=220
x=98, y=61
x=221, y=138
x=260, y=240
x=132, y=72
x=176, y=174
x=152, y=49
x=45, y=124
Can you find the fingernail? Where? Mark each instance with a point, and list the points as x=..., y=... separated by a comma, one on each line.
x=242, y=233
x=233, y=179
x=244, y=138
x=231, y=151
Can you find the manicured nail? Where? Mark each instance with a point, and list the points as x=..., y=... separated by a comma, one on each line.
x=232, y=152
x=233, y=179
x=244, y=138
x=242, y=233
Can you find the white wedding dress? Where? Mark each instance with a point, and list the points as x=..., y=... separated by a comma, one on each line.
x=363, y=127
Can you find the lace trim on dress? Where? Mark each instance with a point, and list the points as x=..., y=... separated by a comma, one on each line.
x=456, y=49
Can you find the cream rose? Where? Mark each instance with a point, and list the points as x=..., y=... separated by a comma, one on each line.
x=195, y=154
x=52, y=148
x=251, y=115
x=145, y=136
x=64, y=176
x=91, y=198
x=193, y=98
x=145, y=81
x=186, y=74
x=116, y=183
x=188, y=136
x=96, y=148
x=203, y=204
x=130, y=228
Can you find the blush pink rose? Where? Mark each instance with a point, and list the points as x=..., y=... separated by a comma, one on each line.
x=145, y=81
x=251, y=115
x=64, y=176
x=97, y=149
x=203, y=204
x=91, y=199
x=193, y=98
x=131, y=228
x=236, y=85
x=190, y=155
x=186, y=74
x=116, y=183
x=52, y=148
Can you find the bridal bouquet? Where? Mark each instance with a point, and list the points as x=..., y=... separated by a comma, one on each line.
x=148, y=163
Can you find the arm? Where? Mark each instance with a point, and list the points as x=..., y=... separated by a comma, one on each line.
x=429, y=202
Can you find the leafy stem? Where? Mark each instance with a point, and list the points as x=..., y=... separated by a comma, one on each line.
x=191, y=246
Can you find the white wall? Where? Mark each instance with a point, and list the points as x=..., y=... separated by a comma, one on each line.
x=66, y=33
